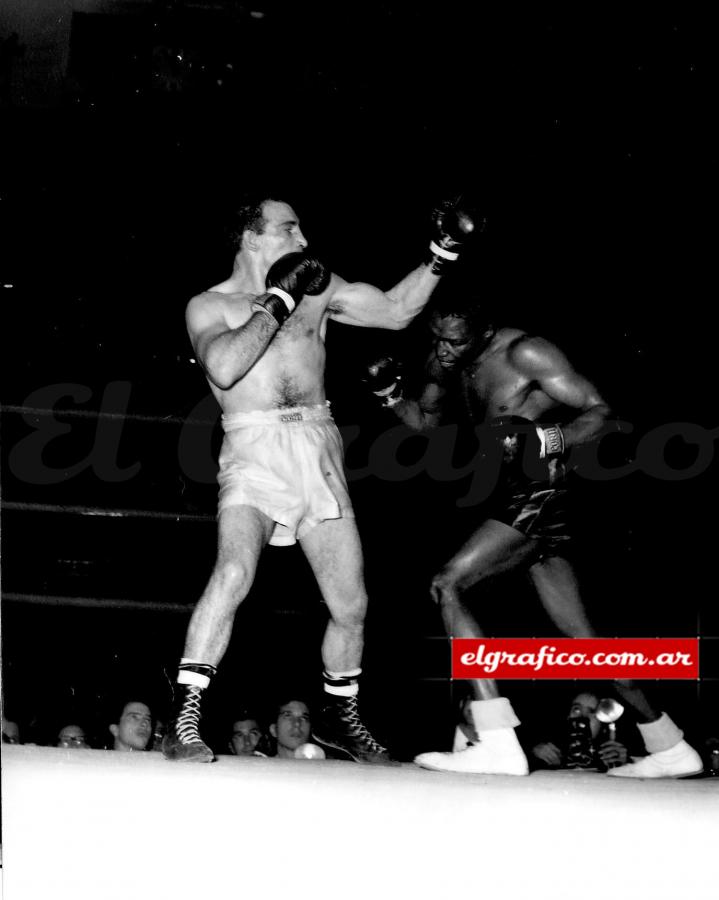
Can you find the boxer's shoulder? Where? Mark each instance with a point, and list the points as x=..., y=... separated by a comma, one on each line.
x=498, y=351
x=213, y=304
x=534, y=354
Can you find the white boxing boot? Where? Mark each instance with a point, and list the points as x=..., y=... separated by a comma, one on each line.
x=498, y=751
x=669, y=755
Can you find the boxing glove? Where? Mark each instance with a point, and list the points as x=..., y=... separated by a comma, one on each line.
x=453, y=224
x=524, y=443
x=288, y=280
x=384, y=379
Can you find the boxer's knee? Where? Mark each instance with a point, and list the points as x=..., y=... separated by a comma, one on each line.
x=445, y=589
x=349, y=611
x=232, y=580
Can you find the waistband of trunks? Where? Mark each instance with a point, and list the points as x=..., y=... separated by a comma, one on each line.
x=288, y=415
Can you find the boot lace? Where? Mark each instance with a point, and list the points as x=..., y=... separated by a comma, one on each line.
x=188, y=721
x=357, y=728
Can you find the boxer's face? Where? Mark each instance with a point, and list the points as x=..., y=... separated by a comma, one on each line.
x=282, y=232
x=453, y=340
x=293, y=725
x=246, y=736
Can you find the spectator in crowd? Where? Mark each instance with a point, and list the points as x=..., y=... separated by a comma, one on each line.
x=158, y=733
x=246, y=737
x=10, y=732
x=133, y=729
x=291, y=727
x=584, y=741
x=72, y=737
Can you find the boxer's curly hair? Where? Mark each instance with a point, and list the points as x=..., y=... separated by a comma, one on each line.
x=476, y=312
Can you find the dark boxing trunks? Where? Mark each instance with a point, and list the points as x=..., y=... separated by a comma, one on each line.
x=539, y=509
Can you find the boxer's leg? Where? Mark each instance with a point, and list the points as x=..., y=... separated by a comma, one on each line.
x=334, y=552
x=242, y=534
x=493, y=549
x=555, y=582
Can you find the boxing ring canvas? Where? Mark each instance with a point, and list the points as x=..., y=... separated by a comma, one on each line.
x=98, y=825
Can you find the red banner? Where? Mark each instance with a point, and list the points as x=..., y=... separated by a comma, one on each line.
x=570, y=658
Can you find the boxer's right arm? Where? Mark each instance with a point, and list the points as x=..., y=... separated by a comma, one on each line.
x=226, y=354
x=420, y=413
x=424, y=412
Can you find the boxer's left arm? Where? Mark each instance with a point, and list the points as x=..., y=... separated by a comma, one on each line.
x=544, y=363
x=368, y=306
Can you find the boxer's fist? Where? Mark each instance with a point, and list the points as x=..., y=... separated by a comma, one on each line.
x=384, y=378
x=524, y=443
x=453, y=224
x=288, y=280
x=298, y=274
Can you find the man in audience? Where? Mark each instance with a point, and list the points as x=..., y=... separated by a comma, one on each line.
x=10, y=732
x=133, y=729
x=600, y=750
x=246, y=736
x=72, y=737
x=291, y=728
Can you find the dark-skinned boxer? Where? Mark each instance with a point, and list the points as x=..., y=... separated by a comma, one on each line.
x=260, y=339
x=534, y=411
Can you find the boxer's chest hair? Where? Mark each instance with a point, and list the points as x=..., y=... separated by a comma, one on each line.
x=298, y=350
x=288, y=392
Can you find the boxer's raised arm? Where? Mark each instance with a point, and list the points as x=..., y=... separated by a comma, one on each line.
x=368, y=306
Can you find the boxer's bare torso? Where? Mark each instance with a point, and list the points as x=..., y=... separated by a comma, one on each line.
x=290, y=372
x=502, y=381
x=501, y=372
x=250, y=363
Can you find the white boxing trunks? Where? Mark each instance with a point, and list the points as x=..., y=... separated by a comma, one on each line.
x=288, y=464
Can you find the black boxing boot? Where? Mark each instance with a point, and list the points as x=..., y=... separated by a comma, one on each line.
x=340, y=726
x=183, y=742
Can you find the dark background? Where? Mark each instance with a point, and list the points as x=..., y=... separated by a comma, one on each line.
x=582, y=134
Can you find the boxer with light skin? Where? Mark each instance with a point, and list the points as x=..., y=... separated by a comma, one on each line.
x=260, y=339
x=533, y=408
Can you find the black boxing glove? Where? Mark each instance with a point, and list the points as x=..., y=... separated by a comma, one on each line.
x=384, y=379
x=453, y=224
x=527, y=444
x=288, y=280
